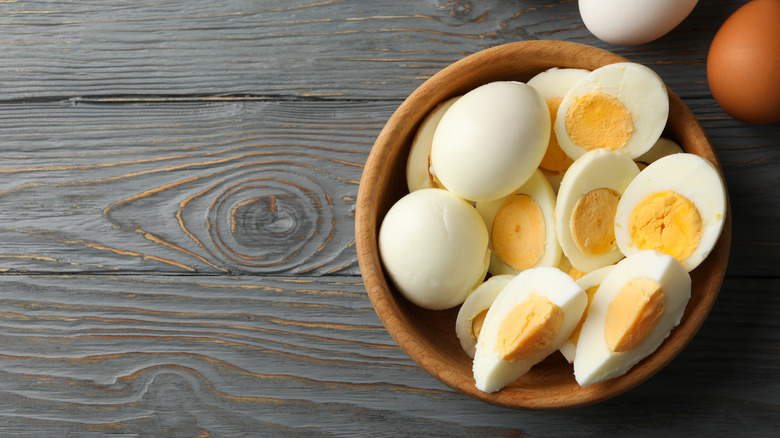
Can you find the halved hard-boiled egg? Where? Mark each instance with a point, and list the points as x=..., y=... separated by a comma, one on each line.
x=677, y=206
x=531, y=318
x=634, y=309
x=590, y=283
x=418, y=164
x=586, y=205
x=471, y=314
x=552, y=85
x=521, y=227
x=434, y=247
x=491, y=140
x=621, y=107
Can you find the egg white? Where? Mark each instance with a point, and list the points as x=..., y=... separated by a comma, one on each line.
x=594, y=362
x=587, y=281
x=434, y=247
x=491, y=140
x=596, y=169
x=689, y=175
x=539, y=189
x=638, y=88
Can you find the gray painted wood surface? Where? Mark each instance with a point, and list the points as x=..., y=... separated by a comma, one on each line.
x=178, y=183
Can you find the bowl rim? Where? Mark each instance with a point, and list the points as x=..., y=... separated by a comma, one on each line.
x=381, y=291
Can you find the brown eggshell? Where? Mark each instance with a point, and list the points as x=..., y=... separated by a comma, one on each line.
x=743, y=65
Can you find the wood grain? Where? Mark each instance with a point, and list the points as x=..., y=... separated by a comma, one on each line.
x=226, y=355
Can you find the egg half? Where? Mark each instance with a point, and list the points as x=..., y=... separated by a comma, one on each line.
x=489, y=142
x=531, y=318
x=585, y=208
x=521, y=228
x=677, y=206
x=434, y=247
x=634, y=309
x=552, y=85
x=471, y=315
x=622, y=107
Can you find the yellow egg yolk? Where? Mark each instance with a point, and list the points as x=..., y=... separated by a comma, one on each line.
x=575, y=273
x=528, y=328
x=519, y=232
x=477, y=323
x=598, y=120
x=633, y=314
x=667, y=222
x=554, y=158
x=592, y=221
x=575, y=335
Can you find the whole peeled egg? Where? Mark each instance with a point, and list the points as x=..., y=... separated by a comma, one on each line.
x=743, y=64
x=633, y=22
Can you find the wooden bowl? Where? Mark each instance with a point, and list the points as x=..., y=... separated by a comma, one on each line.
x=427, y=336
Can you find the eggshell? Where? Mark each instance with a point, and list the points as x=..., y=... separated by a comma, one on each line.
x=633, y=22
x=743, y=64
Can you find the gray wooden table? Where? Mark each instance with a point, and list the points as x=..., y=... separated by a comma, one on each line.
x=177, y=194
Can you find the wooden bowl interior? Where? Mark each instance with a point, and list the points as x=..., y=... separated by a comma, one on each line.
x=428, y=337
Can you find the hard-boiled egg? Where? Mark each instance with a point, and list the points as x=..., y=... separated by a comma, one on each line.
x=522, y=228
x=590, y=283
x=552, y=85
x=660, y=149
x=677, y=206
x=434, y=247
x=471, y=314
x=586, y=205
x=622, y=107
x=633, y=22
x=633, y=311
x=418, y=165
x=491, y=140
x=531, y=318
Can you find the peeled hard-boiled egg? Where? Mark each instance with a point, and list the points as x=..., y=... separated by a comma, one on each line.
x=531, y=318
x=677, y=206
x=585, y=208
x=743, y=63
x=434, y=247
x=491, y=140
x=521, y=228
x=633, y=22
x=471, y=314
x=552, y=85
x=590, y=283
x=622, y=107
x=418, y=165
x=633, y=311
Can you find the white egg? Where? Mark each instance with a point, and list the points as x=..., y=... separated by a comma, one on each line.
x=589, y=282
x=676, y=205
x=434, y=247
x=660, y=149
x=634, y=309
x=418, y=173
x=530, y=319
x=621, y=107
x=491, y=140
x=471, y=314
x=633, y=22
x=521, y=228
x=586, y=205
x=552, y=85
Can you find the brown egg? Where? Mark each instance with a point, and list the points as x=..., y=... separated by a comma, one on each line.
x=743, y=65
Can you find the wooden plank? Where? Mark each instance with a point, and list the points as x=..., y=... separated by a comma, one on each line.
x=219, y=355
x=325, y=49
x=250, y=187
